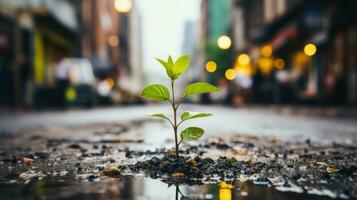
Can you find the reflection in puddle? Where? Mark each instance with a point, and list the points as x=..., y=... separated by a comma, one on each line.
x=139, y=188
x=225, y=191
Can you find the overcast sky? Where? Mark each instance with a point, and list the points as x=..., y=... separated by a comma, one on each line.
x=163, y=26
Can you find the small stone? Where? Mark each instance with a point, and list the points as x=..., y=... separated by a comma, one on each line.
x=191, y=161
x=178, y=174
x=74, y=146
x=331, y=169
x=155, y=161
x=222, y=146
x=42, y=155
x=261, y=181
x=26, y=160
x=111, y=171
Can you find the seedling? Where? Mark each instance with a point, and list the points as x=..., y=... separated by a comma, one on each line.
x=158, y=92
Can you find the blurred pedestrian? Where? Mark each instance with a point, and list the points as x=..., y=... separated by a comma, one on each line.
x=62, y=81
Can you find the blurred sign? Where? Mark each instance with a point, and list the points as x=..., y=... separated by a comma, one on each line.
x=283, y=36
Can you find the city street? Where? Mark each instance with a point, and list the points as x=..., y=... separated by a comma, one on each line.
x=284, y=123
x=75, y=149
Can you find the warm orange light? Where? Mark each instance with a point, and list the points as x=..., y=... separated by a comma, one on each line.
x=230, y=74
x=243, y=59
x=279, y=63
x=123, y=6
x=310, y=49
x=110, y=82
x=246, y=70
x=266, y=51
x=300, y=60
x=224, y=42
x=265, y=65
x=211, y=66
x=113, y=40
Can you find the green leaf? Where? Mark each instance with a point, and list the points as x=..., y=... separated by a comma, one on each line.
x=168, y=66
x=180, y=65
x=156, y=92
x=191, y=115
x=199, y=88
x=170, y=62
x=160, y=115
x=192, y=133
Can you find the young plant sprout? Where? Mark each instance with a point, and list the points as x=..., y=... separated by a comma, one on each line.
x=158, y=92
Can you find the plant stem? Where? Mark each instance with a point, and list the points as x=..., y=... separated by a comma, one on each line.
x=175, y=117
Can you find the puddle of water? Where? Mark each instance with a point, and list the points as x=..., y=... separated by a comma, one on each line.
x=139, y=188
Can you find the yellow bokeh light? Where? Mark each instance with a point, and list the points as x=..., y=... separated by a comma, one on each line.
x=230, y=74
x=266, y=51
x=224, y=42
x=123, y=6
x=246, y=70
x=310, y=49
x=211, y=66
x=279, y=63
x=113, y=40
x=243, y=59
x=265, y=65
x=71, y=94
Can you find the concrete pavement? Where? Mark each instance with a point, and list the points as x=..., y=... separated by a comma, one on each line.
x=225, y=120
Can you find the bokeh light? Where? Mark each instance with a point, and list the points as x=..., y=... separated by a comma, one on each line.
x=266, y=51
x=71, y=94
x=110, y=82
x=211, y=66
x=279, y=63
x=123, y=6
x=310, y=49
x=265, y=65
x=230, y=74
x=224, y=42
x=243, y=59
x=113, y=40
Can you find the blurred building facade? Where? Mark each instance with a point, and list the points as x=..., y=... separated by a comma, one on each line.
x=286, y=51
x=131, y=72
x=216, y=21
x=35, y=35
x=190, y=47
x=311, y=44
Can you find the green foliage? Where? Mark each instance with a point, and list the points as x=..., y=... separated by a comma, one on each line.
x=192, y=133
x=199, y=88
x=156, y=92
x=159, y=92
x=167, y=65
x=160, y=115
x=181, y=65
x=174, y=70
x=191, y=115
